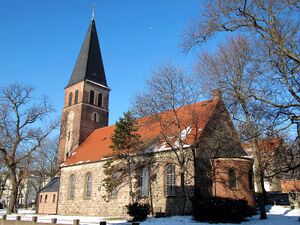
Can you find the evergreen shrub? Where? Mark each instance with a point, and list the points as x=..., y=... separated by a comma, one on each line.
x=221, y=210
x=139, y=212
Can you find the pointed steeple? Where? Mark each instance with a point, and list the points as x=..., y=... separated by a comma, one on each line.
x=89, y=64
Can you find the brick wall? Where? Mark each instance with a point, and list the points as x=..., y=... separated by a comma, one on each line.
x=83, y=123
x=221, y=185
x=47, y=202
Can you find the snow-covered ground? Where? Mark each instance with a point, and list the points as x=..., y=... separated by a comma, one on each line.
x=277, y=215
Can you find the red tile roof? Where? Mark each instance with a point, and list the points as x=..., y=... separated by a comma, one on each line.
x=193, y=117
x=265, y=145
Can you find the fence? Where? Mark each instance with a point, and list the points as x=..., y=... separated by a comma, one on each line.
x=34, y=221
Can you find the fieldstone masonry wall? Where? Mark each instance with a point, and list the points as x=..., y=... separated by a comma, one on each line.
x=101, y=204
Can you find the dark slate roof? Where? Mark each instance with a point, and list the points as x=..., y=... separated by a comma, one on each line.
x=89, y=64
x=52, y=186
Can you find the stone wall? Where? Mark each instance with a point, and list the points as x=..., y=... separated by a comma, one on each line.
x=101, y=204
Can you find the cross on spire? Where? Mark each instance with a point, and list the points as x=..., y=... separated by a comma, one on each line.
x=93, y=11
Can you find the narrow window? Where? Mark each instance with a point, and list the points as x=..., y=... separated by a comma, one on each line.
x=145, y=182
x=95, y=117
x=70, y=99
x=92, y=96
x=46, y=196
x=88, y=185
x=76, y=97
x=170, y=180
x=250, y=178
x=53, y=199
x=72, y=187
x=232, y=178
x=41, y=198
x=100, y=100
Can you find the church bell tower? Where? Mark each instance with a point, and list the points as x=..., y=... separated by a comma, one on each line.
x=86, y=97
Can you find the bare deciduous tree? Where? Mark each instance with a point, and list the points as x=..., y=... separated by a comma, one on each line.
x=274, y=27
x=234, y=71
x=167, y=91
x=24, y=124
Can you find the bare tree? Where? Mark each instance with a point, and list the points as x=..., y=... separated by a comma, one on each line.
x=274, y=27
x=167, y=91
x=44, y=159
x=234, y=71
x=281, y=158
x=24, y=124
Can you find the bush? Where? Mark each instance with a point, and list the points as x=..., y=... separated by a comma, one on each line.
x=221, y=210
x=139, y=212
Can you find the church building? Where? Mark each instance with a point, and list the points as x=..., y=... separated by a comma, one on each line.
x=85, y=141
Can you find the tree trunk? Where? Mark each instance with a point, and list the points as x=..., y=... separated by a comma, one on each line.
x=11, y=208
x=182, y=190
x=259, y=180
x=151, y=198
x=258, y=176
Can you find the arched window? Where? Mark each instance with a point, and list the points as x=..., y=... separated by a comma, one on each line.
x=250, y=178
x=95, y=117
x=41, y=198
x=100, y=100
x=232, y=178
x=88, y=185
x=144, y=182
x=92, y=97
x=46, y=198
x=170, y=180
x=70, y=99
x=72, y=187
x=76, y=97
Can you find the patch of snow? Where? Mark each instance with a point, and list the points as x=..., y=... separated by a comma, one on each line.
x=277, y=215
x=185, y=132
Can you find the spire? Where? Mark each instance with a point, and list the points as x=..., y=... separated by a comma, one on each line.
x=89, y=64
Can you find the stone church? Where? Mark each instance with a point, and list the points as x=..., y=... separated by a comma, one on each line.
x=85, y=141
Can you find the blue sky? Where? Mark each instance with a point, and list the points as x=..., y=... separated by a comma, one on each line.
x=40, y=41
